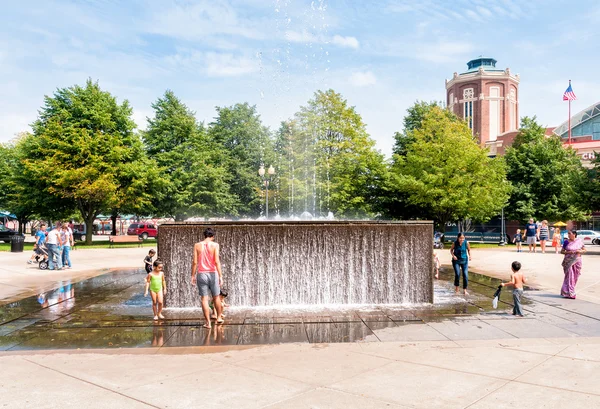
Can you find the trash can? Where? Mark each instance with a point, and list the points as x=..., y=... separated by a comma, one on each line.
x=16, y=243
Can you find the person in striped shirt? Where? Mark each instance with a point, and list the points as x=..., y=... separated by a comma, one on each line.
x=544, y=235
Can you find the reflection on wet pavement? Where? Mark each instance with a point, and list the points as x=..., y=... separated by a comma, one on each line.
x=109, y=311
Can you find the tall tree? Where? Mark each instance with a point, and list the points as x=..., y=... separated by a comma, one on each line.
x=546, y=178
x=246, y=145
x=192, y=179
x=348, y=170
x=413, y=120
x=84, y=144
x=447, y=174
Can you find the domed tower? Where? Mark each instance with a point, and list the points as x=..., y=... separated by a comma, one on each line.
x=487, y=98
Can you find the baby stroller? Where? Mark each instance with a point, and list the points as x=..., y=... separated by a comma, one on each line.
x=41, y=257
x=438, y=243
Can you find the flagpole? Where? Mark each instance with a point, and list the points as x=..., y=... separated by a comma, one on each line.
x=569, y=116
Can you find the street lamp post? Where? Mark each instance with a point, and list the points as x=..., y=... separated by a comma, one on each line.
x=266, y=178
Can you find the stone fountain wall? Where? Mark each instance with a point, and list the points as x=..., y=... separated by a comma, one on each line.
x=305, y=263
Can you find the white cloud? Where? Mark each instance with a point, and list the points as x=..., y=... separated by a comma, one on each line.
x=350, y=42
x=363, y=79
x=196, y=21
x=301, y=37
x=306, y=38
x=228, y=65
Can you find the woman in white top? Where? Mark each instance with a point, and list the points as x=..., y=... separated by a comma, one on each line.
x=54, y=245
x=66, y=235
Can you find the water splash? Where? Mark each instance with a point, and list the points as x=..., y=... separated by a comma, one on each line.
x=306, y=263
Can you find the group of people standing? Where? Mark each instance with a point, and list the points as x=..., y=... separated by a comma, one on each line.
x=57, y=243
x=572, y=248
x=535, y=232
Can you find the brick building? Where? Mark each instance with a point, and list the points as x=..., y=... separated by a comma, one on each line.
x=487, y=98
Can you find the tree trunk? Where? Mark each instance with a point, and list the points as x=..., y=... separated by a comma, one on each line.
x=89, y=228
x=113, y=218
x=22, y=221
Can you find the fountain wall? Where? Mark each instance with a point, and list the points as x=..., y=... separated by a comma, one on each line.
x=305, y=263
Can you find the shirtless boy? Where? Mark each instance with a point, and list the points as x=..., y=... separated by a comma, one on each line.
x=517, y=279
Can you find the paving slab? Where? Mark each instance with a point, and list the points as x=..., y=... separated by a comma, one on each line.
x=520, y=395
x=319, y=367
x=220, y=387
x=420, y=386
x=565, y=373
x=33, y=386
x=332, y=399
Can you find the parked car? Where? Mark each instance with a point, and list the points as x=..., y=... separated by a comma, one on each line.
x=143, y=230
x=589, y=236
x=6, y=233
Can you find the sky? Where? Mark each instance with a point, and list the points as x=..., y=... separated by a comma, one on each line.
x=382, y=56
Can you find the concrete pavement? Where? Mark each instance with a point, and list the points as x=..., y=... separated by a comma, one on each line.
x=523, y=373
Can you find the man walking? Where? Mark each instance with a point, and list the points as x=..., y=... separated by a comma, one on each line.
x=531, y=234
x=205, y=267
x=54, y=244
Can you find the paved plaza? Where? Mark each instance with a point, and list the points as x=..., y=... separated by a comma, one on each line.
x=85, y=337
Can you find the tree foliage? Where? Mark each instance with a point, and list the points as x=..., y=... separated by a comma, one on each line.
x=413, y=120
x=330, y=160
x=192, y=181
x=547, y=179
x=84, y=151
x=245, y=144
x=447, y=174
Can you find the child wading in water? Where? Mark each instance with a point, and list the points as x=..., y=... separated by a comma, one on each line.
x=155, y=280
x=517, y=279
x=148, y=261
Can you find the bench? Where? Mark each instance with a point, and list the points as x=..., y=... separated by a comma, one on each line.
x=125, y=239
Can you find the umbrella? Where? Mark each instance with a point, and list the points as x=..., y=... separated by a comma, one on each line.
x=560, y=224
x=496, y=297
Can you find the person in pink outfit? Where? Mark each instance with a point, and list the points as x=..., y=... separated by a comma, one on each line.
x=572, y=248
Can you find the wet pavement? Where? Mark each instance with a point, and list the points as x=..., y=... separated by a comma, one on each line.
x=109, y=311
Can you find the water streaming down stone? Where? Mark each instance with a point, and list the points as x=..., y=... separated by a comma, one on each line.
x=305, y=263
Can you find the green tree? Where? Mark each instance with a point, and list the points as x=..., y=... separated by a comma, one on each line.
x=413, y=120
x=335, y=147
x=192, y=179
x=245, y=145
x=85, y=151
x=447, y=174
x=21, y=195
x=547, y=179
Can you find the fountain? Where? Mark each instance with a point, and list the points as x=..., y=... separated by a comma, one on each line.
x=275, y=263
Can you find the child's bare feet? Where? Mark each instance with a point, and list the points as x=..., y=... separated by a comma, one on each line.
x=162, y=317
x=466, y=292
x=155, y=317
x=207, y=326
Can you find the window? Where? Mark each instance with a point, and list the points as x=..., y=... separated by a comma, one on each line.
x=468, y=97
x=596, y=131
x=151, y=226
x=468, y=113
x=133, y=226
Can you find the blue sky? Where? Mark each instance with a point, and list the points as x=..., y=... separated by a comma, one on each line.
x=380, y=55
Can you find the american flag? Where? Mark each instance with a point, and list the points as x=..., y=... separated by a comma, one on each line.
x=569, y=95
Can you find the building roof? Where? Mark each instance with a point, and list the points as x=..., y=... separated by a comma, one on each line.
x=486, y=63
x=580, y=117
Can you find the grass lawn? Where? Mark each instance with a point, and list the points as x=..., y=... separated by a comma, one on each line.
x=81, y=245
